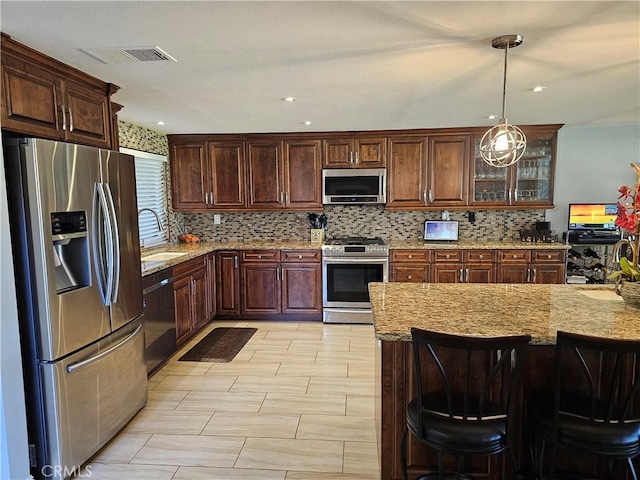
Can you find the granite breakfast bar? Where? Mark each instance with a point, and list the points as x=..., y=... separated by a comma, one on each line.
x=482, y=310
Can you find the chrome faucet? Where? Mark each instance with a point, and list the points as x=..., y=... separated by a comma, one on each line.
x=156, y=215
x=615, y=254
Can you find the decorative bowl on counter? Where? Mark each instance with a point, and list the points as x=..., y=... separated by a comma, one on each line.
x=189, y=238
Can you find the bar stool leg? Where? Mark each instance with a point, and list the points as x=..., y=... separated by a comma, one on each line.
x=403, y=454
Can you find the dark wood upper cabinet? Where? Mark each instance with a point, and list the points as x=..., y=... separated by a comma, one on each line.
x=407, y=172
x=428, y=172
x=448, y=170
x=302, y=174
x=189, y=179
x=354, y=152
x=46, y=98
x=226, y=175
x=265, y=175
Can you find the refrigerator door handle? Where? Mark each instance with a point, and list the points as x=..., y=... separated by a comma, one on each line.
x=88, y=361
x=104, y=272
x=115, y=244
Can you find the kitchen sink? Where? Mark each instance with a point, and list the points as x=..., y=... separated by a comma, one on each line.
x=162, y=257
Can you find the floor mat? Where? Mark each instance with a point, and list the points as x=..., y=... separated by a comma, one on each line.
x=219, y=346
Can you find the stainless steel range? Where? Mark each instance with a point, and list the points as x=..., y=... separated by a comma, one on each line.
x=349, y=264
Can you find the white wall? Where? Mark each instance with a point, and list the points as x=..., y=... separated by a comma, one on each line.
x=14, y=458
x=592, y=162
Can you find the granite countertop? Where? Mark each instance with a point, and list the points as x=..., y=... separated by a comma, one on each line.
x=193, y=250
x=465, y=245
x=500, y=309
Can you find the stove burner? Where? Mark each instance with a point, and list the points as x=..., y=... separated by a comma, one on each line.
x=355, y=241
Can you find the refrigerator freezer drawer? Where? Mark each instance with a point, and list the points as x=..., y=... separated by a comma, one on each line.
x=98, y=390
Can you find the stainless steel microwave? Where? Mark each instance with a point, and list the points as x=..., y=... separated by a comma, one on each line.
x=354, y=186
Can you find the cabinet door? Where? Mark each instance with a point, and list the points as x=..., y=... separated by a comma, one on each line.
x=226, y=173
x=30, y=99
x=448, y=170
x=447, y=273
x=483, y=273
x=406, y=171
x=302, y=288
x=489, y=184
x=183, y=305
x=189, y=179
x=211, y=285
x=87, y=115
x=548, y=273
x=302, y=174
x=410, y=273
x=265, y=175
x=199, y=299
x=337, y=153
x=227, y=283
x=370, y=152
x=260, y=288
x=513, y=273
x=533, y=173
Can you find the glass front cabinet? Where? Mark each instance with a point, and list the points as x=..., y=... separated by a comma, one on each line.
x=529, y=182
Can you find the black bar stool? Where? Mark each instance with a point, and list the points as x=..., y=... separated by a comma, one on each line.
x=594, y=408
x=463, y=408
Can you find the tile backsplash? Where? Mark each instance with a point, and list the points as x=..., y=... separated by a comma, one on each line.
x=357, y=220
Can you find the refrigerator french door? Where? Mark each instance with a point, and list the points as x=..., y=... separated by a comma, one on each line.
x=74, y=231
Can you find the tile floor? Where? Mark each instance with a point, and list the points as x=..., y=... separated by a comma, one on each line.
x=297, y=403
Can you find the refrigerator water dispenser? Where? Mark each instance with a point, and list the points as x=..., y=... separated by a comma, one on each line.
x=70, y=250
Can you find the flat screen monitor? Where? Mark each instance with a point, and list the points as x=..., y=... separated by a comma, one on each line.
x=593, y=216
x=436, y=230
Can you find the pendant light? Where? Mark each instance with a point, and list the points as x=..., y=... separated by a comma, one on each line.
x=504, y=144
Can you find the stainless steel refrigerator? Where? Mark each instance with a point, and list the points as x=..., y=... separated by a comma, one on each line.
x=74, y=233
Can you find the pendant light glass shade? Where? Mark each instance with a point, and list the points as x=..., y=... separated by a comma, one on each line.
x=504, y=144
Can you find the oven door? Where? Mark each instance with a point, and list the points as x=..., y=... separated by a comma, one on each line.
x=345, y=280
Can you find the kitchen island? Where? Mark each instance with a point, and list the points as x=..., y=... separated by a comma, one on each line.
x=482, y=310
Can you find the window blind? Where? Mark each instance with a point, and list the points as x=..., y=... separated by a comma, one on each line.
x=151, y=190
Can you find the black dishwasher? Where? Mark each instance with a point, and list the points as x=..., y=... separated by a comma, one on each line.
x=159, y=323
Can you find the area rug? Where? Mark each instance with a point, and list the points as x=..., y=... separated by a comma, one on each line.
x=220, y=345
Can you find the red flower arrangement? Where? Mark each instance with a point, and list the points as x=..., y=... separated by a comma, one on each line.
x=629, y=221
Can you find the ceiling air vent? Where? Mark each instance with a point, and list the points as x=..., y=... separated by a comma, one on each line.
x=130, y=55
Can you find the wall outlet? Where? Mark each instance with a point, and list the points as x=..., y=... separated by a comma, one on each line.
x=217, y=219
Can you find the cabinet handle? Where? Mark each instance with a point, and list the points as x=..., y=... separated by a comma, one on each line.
x=211, y=197
x=535, y=275
x=424, y=197
x=515, y=256
x=467, y=274
x=64, y=118
x=409, y=277
x=528, y=275
x=235, y=261
x=286, y=198
x=447, y=256
x=300, y=257
x=70, y=120
x=351, y=157
x=206, y=198
x=259, y=256
x=430, y=196
x=461, y=279
x=357, y=158
x=480, y=257
x=510, y=194
x=549, y=257
x=410, y=256
x=515, y=194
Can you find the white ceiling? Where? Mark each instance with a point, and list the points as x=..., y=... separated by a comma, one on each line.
x=351, y=65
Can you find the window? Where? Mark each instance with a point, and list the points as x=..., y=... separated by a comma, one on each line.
x=151, y=189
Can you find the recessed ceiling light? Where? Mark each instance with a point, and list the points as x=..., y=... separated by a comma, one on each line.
x=492, y=117
x=289, y=99
x=538, y=88
x=159, y=122
x=308, y=122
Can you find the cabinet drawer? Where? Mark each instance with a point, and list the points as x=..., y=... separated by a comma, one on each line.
x=190, y=266
x=447, y=256
x=548, y=256
x=479, y=256
x=300, y=256
x=260, y=256
x=514, y=256
x=413, y=256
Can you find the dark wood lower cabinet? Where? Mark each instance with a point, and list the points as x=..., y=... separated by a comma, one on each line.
x=260, y=288
x=190, y=292
x=396, y=388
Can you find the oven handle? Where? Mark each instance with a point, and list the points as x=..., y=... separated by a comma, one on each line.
x=348, y=260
